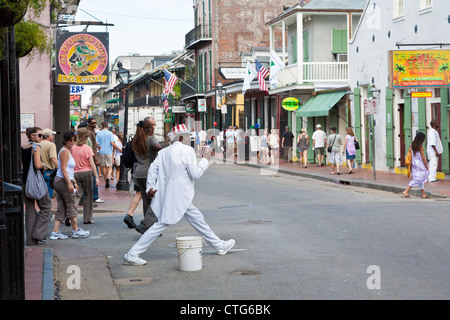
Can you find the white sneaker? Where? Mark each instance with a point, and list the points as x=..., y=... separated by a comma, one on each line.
x=80, y=233
x=57, y=235
x=99, y=200
x=226, y=247
x=133, y=260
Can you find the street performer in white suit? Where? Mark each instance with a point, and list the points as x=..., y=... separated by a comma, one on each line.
x=170, y=181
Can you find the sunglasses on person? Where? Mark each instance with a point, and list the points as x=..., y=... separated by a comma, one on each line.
x=40, y=135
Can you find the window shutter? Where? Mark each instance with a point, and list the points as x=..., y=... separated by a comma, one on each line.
x=339, y=41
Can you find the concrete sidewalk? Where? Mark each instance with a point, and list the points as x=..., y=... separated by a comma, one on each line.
x=44, y=264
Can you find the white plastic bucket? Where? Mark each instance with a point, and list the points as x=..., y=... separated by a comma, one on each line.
x=189, y=252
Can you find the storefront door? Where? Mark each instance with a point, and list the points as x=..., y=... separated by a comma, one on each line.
x=436, y=115
x=401, y=108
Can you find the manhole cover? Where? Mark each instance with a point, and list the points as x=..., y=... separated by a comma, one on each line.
x=132, y=281
x=245, y=273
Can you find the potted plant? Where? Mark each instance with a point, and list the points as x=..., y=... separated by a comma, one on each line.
x=12, y=11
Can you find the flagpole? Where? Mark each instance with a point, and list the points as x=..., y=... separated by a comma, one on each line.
x=183, y=81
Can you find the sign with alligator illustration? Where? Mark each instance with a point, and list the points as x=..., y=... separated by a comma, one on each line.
x=82, y=58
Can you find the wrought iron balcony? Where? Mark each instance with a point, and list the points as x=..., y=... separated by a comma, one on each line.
x=200, y=34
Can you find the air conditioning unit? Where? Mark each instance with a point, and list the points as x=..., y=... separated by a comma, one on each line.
x=342, y=57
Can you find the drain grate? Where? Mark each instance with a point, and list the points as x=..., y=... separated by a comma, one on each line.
x=245, y=273
x=257, y=222
x=237, y=206
x=133, y=281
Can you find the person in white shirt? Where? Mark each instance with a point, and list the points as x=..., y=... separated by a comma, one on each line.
x=434, y=150
x=170, y=182
x=319, y=140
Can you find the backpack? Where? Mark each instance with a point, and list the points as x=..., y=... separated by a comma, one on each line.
x=128, y=156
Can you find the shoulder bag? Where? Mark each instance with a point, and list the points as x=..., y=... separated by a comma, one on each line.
x=330, y=148
x=35, y=188
x=356, y=145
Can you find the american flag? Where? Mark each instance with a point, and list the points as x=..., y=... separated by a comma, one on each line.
x=166, y=102
x=262, y=73
x=169, y=80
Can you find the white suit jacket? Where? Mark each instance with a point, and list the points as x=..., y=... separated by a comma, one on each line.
x=173, y=175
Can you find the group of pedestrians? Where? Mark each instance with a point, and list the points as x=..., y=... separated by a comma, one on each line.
x=71, y=175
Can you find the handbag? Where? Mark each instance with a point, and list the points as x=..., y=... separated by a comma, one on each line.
x=51, y=182
x=408, y=160
x=35, y=187
x=330, y=148
x=356, y=145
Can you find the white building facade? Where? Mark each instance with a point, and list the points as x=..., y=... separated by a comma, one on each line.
x=399, y=38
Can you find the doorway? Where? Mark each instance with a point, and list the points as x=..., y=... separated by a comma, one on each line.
x=401, y=109
x=436, y=115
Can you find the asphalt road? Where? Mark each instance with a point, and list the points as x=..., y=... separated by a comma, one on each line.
x=296, y=238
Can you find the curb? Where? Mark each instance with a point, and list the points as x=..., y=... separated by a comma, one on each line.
x=343, y=181
x=47, y=280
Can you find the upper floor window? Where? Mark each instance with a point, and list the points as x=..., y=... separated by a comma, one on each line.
x=398, y=8
x=425, y=4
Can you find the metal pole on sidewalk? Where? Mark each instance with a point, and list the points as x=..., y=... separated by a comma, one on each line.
x=372, y=124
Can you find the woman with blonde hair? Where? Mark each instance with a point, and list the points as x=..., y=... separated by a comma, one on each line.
x=85, y=170
x=350, y=149
x=303, y=146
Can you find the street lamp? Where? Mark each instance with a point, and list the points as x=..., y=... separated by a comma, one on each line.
x=123, y=76
x=220, y=94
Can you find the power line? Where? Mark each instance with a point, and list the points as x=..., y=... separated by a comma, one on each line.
x=139, y=17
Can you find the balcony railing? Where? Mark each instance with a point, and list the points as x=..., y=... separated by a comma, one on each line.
x=188, y=87
x=325, y=71
x=314, y=72
x=144, y=101
x=195, y=35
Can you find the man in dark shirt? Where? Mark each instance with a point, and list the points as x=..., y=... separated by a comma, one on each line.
x=286, y=143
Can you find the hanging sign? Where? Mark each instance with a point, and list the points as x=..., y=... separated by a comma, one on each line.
x=290, y=104
x=420, y=68
x=168, y=117
x=82, y=58
x=426, y=94
x=201, y=105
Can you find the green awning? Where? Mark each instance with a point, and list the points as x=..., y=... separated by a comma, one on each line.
x=320, y=105
x=113, y=101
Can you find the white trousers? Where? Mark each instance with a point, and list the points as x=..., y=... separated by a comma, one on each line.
x=193, y=216
x=432, y=167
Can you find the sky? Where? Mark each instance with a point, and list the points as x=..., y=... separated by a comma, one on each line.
x=146, y=27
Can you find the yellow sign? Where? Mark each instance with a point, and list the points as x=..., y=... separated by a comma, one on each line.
x=427, y=94
x=290, y=104
x=425, y=68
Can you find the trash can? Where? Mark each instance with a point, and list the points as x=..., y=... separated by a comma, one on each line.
x=13, y=281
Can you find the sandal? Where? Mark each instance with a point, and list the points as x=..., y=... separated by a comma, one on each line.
x=405, y=195
x=426, y=197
